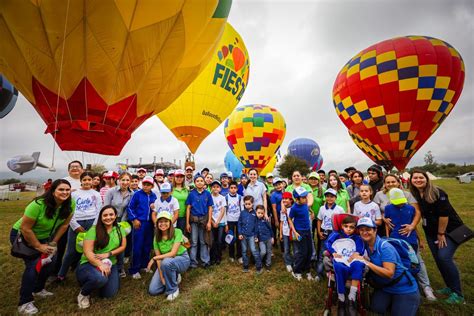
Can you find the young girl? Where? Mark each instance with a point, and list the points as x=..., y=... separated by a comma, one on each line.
x=166, y=203
x=342, y=197
x=357, y=179
x=109, y=177
x=287, y=203
x=366, y=207
x=88, y=205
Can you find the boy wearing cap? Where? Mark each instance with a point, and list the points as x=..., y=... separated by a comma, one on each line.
x=269, y=183
x=287, y=203
x=166, y=203
x=219, y=222
x=139, y=213
x=224, y=183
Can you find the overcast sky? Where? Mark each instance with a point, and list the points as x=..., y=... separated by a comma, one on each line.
x=296, y=51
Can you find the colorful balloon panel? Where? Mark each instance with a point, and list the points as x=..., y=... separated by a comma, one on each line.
x=8, y=96
x=305, y=149
x=270, y=166
x=254, y=133
x=393, y=95
x=96, y=70
x=233, y=164
x=209, y=99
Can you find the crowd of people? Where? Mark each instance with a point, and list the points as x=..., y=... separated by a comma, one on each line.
x=170, y=222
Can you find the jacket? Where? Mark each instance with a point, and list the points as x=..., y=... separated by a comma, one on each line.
x=247, y=225
x=264, y=230
x=139, y=207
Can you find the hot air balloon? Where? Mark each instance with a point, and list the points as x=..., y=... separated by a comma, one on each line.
x=254, y=133
x=8, y=96
x=270, y=166
x=305, y=149
x=96, y=70
x=395, y=94
x=209, y=99
x=233, y=164
x=319, y=163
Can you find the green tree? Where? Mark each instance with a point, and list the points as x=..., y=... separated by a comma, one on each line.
x=291, y=164
x=429, y=158
x=98, y=168
x=10, y=181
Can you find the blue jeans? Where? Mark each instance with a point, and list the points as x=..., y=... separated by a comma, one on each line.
x=303, y=250
x=395, y=304
x=343, y=273
x=287, y=255
x=266, y=251
x=217, y=243
x=142, y=240
x=72, y=256
x=249, y=243
x=92, y=279
x=170, y=267
x=422, y=276
x=236, y=244
x=181, y=224
x=197, y=235
x=446, y=266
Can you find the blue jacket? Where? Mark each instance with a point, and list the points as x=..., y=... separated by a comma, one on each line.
x=139, y=207
x=264, y=230
x=360, y=246
x=247, y=225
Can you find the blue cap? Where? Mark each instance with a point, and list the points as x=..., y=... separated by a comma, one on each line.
x=367, y=222
x=165, y=187
x=299, y=192
x=216, y=182
x=198, y=175
x=224, y=175
x=243, y=175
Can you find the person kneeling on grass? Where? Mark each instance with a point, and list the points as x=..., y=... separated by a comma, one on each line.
x=171, y=258
x=98, y=269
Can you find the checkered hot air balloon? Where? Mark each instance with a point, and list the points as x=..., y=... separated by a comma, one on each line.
x=393, y=95
x=254, y=133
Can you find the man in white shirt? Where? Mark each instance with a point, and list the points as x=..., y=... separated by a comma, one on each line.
x=75, y=169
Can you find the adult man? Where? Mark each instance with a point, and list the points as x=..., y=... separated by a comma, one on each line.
x=75, y=169
x=269, y=182
x=188, y=179
x=322, y=178
x=141, y=172
x=47, y=184
x=375, y=174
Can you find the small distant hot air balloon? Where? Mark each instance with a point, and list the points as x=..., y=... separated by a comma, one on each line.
x=254, y=134
x=395, y=94
x=233, y=164
x=305, y=149
x=319, y=163
x=8, y=96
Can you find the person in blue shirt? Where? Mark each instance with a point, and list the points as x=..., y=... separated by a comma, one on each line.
x=265, y=237
x=300, y=224
x=244, y=180
x=247, y=228
x=396, y=289
x=139, y=213
x=198, y=220
x=224, y=183
x=275, y=201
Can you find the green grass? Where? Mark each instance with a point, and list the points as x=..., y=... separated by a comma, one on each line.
x=223, y=289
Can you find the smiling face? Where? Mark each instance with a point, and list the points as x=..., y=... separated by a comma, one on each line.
x=179, y=179
x=108, y=217
x=330, y=199
x=189, y=173
x=216, y=189
x=124, y=182
x=419, y=181
x=199, y=183
x=62, y=193
x=208, y=179
x=313, y=182
x=367, y=234
x=333, y=182
x=75, y=170
x=253, y=175
x=86, y=182
x=391, y=182
x=134, y=184
x=141, y=174
x=296, y=177
x=95, y=181
x=163, y=224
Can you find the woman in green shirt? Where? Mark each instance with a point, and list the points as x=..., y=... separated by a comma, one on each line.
x=171, y=258
x=98, y=266
x=180, y=192
x=45, y=219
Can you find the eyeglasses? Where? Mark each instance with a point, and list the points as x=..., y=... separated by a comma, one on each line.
x=75, y=167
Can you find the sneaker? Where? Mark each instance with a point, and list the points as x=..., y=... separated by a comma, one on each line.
x=289, y=268
x=43, y=293
x=309, y=277
x=317, y=279
x=268, y=268
x=444, y=291
x=297, y=276
x=429, y=294
x=232, y=260
x=126, y=260
x=137, y=276
x=240, y=260
x=173, y=296
x=245, y=269
x=178, y=278
x=148, y=270
x=83, y=301
x=455, y=298
x=27, y=309
x=123, y=274
x=259, y=271
x=352, y=308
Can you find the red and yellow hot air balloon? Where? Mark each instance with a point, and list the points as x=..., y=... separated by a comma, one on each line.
x=96, y=70
x=393, y=95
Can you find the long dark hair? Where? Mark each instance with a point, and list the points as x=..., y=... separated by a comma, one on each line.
x=159, y=233
x=102, y=237
x=50, y=201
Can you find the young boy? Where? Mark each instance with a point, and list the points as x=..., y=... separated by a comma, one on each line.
x=247, y=227
x=275, y=200
x=342, y=245
x=234, y=206
x=135, y=181
x=139, y=213
x=265, y=237
x=219, y=222
x=198, y=220
x=166, y=202
x=287, y=201
x=301, y=225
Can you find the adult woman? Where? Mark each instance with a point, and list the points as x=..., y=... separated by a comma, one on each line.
x=342, y=197
x=180, y=192
x=46, y=218
x=297, y=181
x=208, y=180
x=439, y=219
x=171, y=258
x=256, y=189
x=98, y=269
x=96, y=182
x=357, y=179
x=396, y=290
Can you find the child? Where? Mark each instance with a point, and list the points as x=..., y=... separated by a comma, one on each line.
x=198, y=220
x=342, y=271
x=366, y=207
x=219, y=222
x=265, y=237
x=135, y=181
x=234, y=206
x=247, y=227
x=301, y=225
x=275, y=200
x=166, y=203
x=287, y=202
x=139, y=213
x=342, y=196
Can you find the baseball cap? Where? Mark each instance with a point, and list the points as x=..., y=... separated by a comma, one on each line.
x=141, y=169
x=198, y=176
x=224, y=175
x=269, y=175
x=367, y=222
x=330, y=191
x=348, y=169
x=243, y=175
x=148, y=179
x=276, y=180
x=397, y=197
x=229, y=174
x=159, y=172
x=300, y=192
x=189, y=168
x=287, y=195
x=171, y=172
x=205, y=169
x=165, y=187
x=216, y=182
x=110, y=174
x=164, y=214
x=314, y=175
x=179, y=172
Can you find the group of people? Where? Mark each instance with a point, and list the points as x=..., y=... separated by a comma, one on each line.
x=183, y=219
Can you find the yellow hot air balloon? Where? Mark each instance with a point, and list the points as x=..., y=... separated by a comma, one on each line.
x=270, y=166
x=209, y=99
x=96, y=70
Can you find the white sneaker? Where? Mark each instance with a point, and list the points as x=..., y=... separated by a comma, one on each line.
x=309, y=277
x=232, y=260
x=148, y=270
x=137, y=276
x=178, y=279
x=123, y=274
x=317, y=278
x=83, y=301
x=173, y=296
x=27, y=309
x=126, y=260
x=240, y=260
x=289, y=268
x=297, y=276
x=429, y=294
x=43, y=293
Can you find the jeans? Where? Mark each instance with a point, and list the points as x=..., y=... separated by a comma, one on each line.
x=237, y=243
x=142, y=240
x=446, y=266
x=62, y=243
x=197, y=235
x=181, y=224
x=303, y=250
x=395, y=304
x=72, y=256
x=287, y=255
x=90, y=279
x=422, y=276
x=32, y=281
x=217, y=243
x=170, y=267
x=343, y=273
x=266, y=251
x=249, y=243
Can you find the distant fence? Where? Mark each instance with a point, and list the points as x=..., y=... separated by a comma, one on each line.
x=7, y=195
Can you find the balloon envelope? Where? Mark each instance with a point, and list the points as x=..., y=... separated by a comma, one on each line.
x=319, y=163
x=233, y=164
x=269, y=167
x=8, y=96
x=96, y=70
x=393, y=95
x=209, y=99
x=305, y=149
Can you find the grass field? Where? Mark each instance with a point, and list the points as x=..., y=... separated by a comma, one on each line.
x=224, y=288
